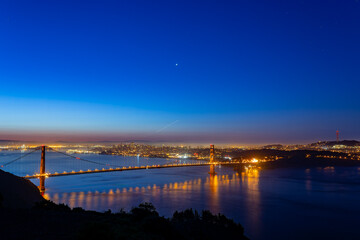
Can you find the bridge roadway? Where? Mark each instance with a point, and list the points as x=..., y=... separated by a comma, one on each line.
x=128, y=169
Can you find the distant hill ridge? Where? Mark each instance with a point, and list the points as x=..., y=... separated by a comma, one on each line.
x=5, y=141
x=349, y=143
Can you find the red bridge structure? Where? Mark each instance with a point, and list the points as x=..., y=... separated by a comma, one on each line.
x=106, y=167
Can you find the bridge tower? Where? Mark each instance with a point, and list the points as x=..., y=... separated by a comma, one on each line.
x=212, y=156
x=42, y=170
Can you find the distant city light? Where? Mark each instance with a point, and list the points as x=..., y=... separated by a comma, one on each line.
x=254, y=160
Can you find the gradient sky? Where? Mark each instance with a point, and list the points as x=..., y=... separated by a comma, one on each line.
x=246, y=71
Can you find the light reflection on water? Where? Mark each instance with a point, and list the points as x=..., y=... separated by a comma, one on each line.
x=251, y=179
x=112, y=197
x=280, y=203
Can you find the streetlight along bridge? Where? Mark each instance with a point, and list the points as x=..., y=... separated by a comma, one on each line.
x=106, y=167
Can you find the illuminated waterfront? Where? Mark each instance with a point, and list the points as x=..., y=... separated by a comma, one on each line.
x=264, y=201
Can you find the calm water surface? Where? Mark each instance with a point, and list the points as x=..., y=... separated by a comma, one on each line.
x=319, y=203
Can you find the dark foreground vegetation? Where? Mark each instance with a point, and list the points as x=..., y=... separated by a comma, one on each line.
x=48, y=220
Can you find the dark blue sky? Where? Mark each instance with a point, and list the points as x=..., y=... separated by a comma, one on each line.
x=198, y=71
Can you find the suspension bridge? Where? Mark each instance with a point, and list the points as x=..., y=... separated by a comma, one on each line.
x=105, y=166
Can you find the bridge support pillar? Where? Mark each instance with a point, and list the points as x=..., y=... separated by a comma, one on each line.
x=212, y=169
x=212, y=156
x=42, y=170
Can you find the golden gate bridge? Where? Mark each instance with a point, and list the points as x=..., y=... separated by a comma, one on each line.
x=106, y=167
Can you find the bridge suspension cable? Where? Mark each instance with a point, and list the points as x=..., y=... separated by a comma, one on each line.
x=22, y=156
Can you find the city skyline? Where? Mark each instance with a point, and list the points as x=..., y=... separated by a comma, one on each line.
x=208, y=72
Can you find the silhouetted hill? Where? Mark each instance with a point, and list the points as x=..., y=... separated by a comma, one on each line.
x=349, y=143
x=16, y=192
x=273, y=146
x=297, y=158
x=57, y=221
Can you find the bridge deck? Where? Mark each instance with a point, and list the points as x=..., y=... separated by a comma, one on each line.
x=126, y=169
